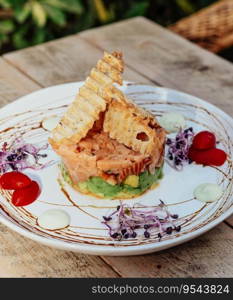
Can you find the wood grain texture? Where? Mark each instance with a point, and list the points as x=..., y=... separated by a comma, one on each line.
x=207, y=256
x=64, y=60
x=152, y=55
x=229, y=221
x=21, y=257
x=13, y=84
x=168, y=59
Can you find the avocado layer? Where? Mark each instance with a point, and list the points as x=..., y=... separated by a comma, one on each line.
x=101, y=188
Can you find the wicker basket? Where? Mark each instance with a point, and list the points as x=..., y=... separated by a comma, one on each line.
x=210, y=28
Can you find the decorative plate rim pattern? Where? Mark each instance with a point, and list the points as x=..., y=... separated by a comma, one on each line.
x=121, y=249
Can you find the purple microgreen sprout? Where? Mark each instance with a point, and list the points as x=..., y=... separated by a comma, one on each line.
x=20, y=155
x=140, y=221
x=178, y=148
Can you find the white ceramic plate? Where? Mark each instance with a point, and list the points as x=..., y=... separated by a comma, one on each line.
x=86, y=233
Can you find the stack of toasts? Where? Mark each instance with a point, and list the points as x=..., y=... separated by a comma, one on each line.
x=109, y=146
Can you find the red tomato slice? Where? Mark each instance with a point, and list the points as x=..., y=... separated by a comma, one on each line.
x=204, y=140
x=14, y=180
x=211, y=157
x=26, y=195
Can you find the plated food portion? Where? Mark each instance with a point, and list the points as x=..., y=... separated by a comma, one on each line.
x=110, y=147
x=117, y=168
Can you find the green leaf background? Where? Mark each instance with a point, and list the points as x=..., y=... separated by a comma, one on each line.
x=25, y=23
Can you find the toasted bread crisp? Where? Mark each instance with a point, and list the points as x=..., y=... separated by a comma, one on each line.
x=104, y=134
x=90, y=101
x=136, y=128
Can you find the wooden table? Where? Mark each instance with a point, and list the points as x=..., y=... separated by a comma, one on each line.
x=153, y=55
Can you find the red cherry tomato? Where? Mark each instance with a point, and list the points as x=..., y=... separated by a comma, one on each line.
x=26, y=195
x=211, y=157
x=204, y=140
x=14, y=180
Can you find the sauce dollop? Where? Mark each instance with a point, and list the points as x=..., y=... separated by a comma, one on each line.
x=50, y=123
x=208, y=192
x=172, y=121
x=53, y=219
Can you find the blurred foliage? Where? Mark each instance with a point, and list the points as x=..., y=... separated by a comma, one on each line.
x=25, y=23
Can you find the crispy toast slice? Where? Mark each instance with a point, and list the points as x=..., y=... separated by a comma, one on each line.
x=90, y=101
x=123, y=120
x=136, y=128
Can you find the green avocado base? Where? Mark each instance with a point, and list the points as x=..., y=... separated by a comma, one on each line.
x=102, y=189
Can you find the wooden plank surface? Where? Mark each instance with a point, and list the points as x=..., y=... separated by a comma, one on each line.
x=13, y=84
x=150, y=58
x=229, y=221
x=168, y=59
x=21, y=257
x=65, y=60
x=207, y=256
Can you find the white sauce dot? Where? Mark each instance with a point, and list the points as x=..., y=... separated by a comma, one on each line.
x=50, y=123
x=172, y=121
x=54, y=219
x=208, y=192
